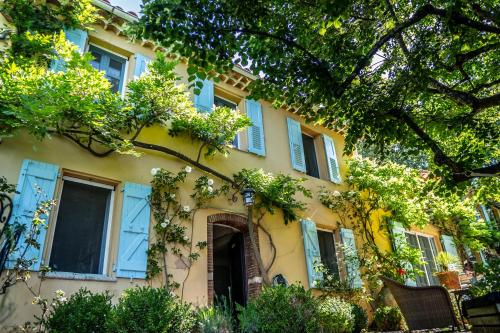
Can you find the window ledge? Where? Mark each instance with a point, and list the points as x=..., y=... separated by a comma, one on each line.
x=79, y=276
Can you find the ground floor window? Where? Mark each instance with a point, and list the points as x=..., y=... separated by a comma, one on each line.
x=82, y=227
x=427, y=246
x=328, y=252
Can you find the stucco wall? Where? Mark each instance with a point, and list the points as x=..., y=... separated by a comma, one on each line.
x=290, y=260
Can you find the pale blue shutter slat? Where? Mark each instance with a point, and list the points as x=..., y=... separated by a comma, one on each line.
x=296, y=146
x=331, y=159
x=486, y=215
x=398, y=235
x=37, y=183
x=312, y=253
x=256, y=143
x=134, y=231
x=450, y=247
x=350, y=251
x=141, y=65
x=75, y=36
x=204, y=102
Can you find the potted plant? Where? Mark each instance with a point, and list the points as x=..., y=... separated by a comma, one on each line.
x=447, y=277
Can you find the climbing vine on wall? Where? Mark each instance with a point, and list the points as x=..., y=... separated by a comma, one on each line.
x=172, y=231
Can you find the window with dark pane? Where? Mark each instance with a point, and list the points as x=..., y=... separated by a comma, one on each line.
x=112, y=65
x=310, y=156
x=327, y=252
x=81, y=226
x=218, y=101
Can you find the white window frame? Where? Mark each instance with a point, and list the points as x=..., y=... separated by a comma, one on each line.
x=107, y=224
x=125, y=72
x=416, y=233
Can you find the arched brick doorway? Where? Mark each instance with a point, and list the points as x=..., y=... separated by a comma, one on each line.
x=254, y=281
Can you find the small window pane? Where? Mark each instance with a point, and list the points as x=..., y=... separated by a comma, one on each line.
x=310, y=155
x=327, y=252
x=222, y=102
x=96, y=62
x=79, y=236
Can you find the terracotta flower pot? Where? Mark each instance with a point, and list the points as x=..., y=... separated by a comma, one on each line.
x=449, y=279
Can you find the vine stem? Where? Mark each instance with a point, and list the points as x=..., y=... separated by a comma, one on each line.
x=271, y=242
x=190, y=251
x=256, y=251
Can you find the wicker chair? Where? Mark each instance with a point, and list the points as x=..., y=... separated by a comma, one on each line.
x=423, y=307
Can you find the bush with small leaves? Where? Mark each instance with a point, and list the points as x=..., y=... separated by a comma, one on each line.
x=387, y=318
x=151, y=310
x=335, y=315
x=280, y=309
x=216, y=319
x=360, y=319
x=82, y=312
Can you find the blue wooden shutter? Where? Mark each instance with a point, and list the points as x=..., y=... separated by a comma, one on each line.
x=256, y=143
x=296, y=146
x=398, y=237
x=311, y=248
x=204, y=102
x=449, y=246
x=331, y=159
x=75, y=36
x=37, y=183
x=351, y=253
x=134, y=231
x=141, y=65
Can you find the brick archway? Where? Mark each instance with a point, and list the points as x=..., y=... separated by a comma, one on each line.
x=238, y=222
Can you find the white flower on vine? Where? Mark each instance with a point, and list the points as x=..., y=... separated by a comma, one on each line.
x=154, y=171
x=210, y=181
x=186, y=208
x=59, y=293
x=172, y=195
x=210, y=189
x=167, y=221
x=350, y=178
x=336, y=194
x=188, y=169
x=163, y=225
x=185, y=238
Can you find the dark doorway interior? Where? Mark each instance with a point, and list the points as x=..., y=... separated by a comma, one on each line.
x=229, y=265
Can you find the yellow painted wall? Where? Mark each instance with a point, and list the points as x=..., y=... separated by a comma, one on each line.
x=290, y=259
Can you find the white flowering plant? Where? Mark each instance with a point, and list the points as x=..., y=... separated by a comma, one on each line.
x=173, y=218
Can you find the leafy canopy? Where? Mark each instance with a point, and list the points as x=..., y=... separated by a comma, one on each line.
x=418, y=74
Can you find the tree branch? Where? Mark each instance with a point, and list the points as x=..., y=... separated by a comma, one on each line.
x=183, y=157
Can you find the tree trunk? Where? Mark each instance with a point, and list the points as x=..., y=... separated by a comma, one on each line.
x=256, y=252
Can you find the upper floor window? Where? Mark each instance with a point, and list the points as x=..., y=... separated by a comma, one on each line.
x=310, y=156
x=303, y=152
x=219, y=101
x=82, y=227
x=112, y=65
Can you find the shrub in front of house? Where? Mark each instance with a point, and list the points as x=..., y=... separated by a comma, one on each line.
x=360, y=319
x=387, y=318
x=216, y=319
x=281, y=309
x=151, y=310
x=335, y=315
x=82, y=312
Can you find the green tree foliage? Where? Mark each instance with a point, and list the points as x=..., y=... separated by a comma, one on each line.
x=379, y=193
x=419, y=74
x=275, y=192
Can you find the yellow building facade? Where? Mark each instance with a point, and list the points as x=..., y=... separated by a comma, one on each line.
x=80, y=182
